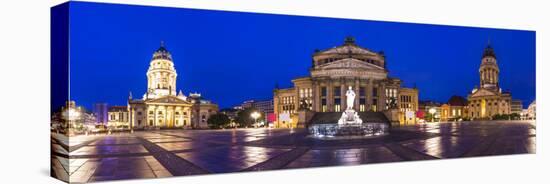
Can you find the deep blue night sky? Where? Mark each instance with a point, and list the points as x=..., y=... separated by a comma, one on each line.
x=230, y=57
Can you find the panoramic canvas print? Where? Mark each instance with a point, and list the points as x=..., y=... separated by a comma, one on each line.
x=150, y=92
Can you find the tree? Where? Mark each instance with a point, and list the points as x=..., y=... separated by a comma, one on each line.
x=515, y=116
x=218, y=120
x=428, y=117
x=501, y=117
x=244, y=119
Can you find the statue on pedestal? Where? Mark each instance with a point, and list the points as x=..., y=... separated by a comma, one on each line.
x=350, y=116
x=350, y=97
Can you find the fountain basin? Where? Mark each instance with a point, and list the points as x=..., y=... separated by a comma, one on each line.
x=334, y=130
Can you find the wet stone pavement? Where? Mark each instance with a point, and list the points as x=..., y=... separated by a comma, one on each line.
x=164, y=153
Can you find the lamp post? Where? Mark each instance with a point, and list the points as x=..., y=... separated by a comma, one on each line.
x=432, y=111
x=255, y=115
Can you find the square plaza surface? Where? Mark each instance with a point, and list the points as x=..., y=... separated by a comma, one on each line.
x=163, y=153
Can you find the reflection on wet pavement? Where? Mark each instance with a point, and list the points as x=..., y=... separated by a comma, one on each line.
x=162, y=153
x=109, y=149
x=230, y=159
x=443, y=147
x=354, y=156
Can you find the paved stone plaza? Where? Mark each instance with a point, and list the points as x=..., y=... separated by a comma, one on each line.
x=163, y=153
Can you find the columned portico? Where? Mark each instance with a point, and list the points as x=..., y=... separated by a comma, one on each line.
x=333, y=72
x=160, y=106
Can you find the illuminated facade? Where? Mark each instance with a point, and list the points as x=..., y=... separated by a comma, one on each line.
x=532, y=110
x=160, y=106
x=118, y=116
x=408, y=105
x=455, y=109
x=332, y=72
x=72, y=117
x=488, y=99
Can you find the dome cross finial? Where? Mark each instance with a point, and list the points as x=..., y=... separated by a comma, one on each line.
x=162, y=43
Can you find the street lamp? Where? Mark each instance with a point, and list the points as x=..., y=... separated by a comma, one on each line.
x=255, y=115
x=432, y=111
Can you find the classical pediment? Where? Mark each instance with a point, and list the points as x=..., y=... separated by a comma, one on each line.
x=349, y=67
x=168, y=100
x=346, y=49
x=483, y=92
x=349, y=63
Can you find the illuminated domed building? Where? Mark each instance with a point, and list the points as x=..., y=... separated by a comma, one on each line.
x=488, y=99
x=161, y=106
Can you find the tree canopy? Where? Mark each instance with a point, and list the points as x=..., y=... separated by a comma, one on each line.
x=218, y=120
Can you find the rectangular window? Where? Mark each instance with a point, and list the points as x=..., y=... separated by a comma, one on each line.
x=324, y=91
x=374, y=91
x=337, y=108
x=337, y=91
x=362, y=104
x=362, y=91
x=337, y=103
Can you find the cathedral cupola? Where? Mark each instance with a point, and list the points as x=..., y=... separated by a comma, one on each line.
x=489, y=51
x=161, y=76
x=162, y=53
x=489, y=70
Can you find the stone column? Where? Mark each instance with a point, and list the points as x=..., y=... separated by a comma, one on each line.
x=131, y=118
x=297, y=98
x=155, y=121
x=330, y=98
x=369, y=94
x=182, y=117
x=316, y=97
x=382, y=96
x=343, y=97
x=165, y=113
x=174, y=116
x=357, y=95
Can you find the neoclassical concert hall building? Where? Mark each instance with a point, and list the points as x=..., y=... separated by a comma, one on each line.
x=332, y=72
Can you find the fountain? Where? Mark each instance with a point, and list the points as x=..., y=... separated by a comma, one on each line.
x=350, y=124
